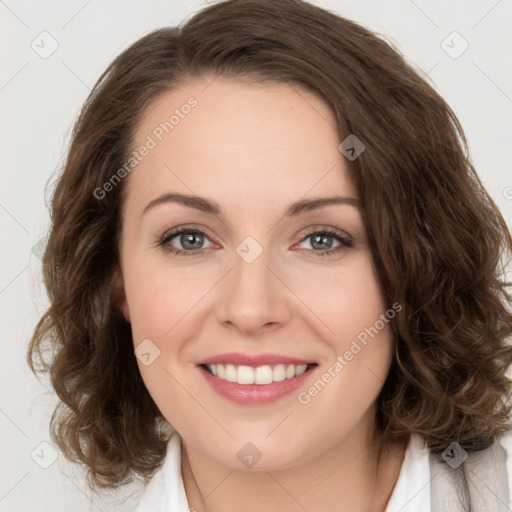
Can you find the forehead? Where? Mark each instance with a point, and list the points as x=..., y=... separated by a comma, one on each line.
x=254, y=143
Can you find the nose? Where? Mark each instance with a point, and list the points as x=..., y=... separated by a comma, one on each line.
x=253, y=297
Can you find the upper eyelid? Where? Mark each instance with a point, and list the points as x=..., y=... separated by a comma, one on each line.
x=332, y=231
x=172, y=233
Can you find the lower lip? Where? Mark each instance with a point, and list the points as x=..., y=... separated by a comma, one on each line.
x=255, y=394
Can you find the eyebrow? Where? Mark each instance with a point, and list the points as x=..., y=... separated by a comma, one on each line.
x=295, y=209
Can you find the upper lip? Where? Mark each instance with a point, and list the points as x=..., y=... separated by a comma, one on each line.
x=239, y=359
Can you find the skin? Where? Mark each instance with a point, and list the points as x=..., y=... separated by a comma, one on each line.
x=254, y=149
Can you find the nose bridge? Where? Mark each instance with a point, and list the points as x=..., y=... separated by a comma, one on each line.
x=252, y=296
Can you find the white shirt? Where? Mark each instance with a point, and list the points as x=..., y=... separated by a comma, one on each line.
x=166, y=492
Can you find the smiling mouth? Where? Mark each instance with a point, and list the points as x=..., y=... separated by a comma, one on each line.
x=260, y=375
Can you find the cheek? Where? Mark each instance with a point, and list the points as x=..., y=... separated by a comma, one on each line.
x=351, y=306
x=160, y=297
x=346, y=299
x=360, y=306
x=166, y=308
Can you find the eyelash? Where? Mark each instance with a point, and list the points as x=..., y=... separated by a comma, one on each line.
x=345, y=242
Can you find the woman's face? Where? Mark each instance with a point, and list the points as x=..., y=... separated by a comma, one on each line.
x=262, y=278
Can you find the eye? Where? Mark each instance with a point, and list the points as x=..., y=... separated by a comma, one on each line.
x=190, y=239
x=321, y=241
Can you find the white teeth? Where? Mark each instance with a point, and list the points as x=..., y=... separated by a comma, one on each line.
x=300, y=369
x=230, y=373
x=279, y=373
x=245, y=375
x=260, y=375
x=263, y=375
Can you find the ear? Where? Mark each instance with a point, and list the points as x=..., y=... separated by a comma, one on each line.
x=118, y=294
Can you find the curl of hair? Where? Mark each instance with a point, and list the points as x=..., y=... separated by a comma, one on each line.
x=436, y=235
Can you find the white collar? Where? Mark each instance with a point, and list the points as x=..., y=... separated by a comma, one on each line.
x=412, y=489
x=166, y=491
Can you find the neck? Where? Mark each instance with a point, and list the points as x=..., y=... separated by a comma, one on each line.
x=357, y=475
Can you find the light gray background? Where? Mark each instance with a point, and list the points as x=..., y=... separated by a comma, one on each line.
x=41, y=97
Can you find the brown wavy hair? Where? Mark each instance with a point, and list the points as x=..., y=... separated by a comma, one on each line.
x=436, y=235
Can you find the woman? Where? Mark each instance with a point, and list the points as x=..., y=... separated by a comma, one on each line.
x=275, y=277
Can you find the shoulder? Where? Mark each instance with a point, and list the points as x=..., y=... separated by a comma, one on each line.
x=506, y=443
x=481, y=478
x=425, y=478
